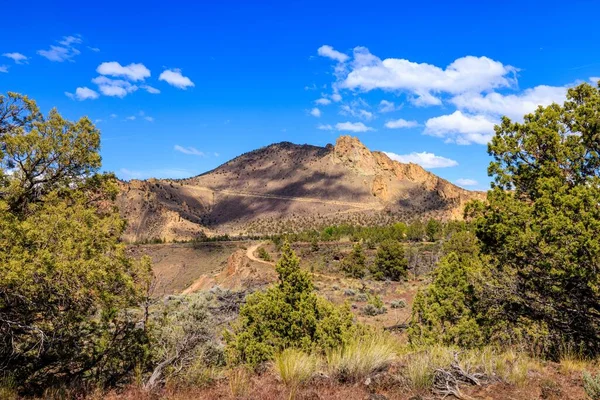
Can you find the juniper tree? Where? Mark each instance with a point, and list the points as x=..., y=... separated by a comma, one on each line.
x=66, y=283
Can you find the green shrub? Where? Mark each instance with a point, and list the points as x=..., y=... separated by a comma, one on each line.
x=354, y=264
x=287, y=315
x=263, y=254
x=445, y=311
x=591, y=384
x=390, y=262
x=362, y=297
x=401, y=303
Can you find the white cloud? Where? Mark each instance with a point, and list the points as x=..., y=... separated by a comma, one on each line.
x=595, y=79
x=325, y=127
x=150, y=89
x=133, y=71
x=315, y=112
x=352, y=127
x=354, y=109
x=174, y=78
x=94, y=49
x=514, y=105
x=386, y=106
x=368, y=72
x=400, y=123
x=131, y=118
x=113, y=115
x=149, y=119
x=424, y=159
x=323, y=101
x=58, y=53
x=18, y=58
x=83, y=93
x=329, y=52
x=466, y=182
x=461, y=128
x=189, y=150
x=97, y=121
x=425, y=99
x=114, y=87
x=336, y=97
x=70, y=40
x=65, y=52
x=3, y=68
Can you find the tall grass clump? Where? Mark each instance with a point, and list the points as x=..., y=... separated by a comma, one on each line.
x=422, y=363
x=239, y=382
x=362, y=357
x=295, y=367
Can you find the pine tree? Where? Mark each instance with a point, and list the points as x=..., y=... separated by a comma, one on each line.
x=354, y=264
x=390, y=262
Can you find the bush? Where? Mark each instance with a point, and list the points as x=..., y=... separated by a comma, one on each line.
x=349, y=292
x=591, y=384
x=362, y=297
x=445, y=312
x=401, y=303
x=263, y=254
x=362, y=357
x=287, y=315
x=374, y=306
x=181, y=334
x=354, y=264
x=390, y=262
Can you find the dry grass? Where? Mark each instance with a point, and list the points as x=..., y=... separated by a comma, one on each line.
x=362, y=357
x=295, y=367
x=572, y=361
x=509, y=366
x=239, y=382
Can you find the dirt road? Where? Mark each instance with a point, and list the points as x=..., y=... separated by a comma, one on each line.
x=250, y=253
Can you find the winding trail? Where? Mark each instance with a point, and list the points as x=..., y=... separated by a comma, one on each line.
x=250, y=253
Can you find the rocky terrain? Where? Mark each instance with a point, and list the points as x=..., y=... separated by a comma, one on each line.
x=287, y=187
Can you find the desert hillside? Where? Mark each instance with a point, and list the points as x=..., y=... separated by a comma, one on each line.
x=285, y=187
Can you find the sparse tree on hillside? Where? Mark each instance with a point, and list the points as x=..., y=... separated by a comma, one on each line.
x=354, y=264
x=390, y=262
x=433, y=229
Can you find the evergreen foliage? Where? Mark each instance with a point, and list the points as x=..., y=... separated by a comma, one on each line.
x=287, y=315
x=540, y=227
x=355, y=264
x=66, y=283
x=390, y=262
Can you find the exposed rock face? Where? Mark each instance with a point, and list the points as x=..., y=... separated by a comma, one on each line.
x=287, y=186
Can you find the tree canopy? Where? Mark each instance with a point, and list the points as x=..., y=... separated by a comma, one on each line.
x=65, y=280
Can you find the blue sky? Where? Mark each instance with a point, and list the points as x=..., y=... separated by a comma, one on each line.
x=424, y=81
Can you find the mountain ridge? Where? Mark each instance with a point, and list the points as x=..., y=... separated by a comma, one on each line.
x=287, y=187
